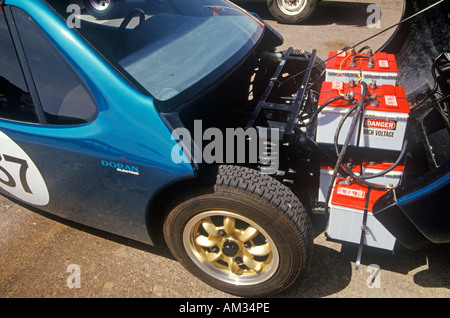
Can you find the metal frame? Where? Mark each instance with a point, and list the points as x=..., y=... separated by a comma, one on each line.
x=287, y=128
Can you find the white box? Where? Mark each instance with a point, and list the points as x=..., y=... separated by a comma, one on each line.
x=329, y=118
x=347, y=212
x=345, y=225
x=391, y=178
x=384, y=69
x=384, y=123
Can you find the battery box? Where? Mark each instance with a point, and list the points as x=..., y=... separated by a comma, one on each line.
x=391, y=179
x=379, y=67
x=329, y=118
x=339, y=67
x=382, y=69
x=347, y=208
x=384, y=121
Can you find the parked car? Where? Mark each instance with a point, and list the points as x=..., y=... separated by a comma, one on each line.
x=104, y=9
x=284, y=11
x=183, y=124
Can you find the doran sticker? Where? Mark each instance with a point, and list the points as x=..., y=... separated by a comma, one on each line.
x=19, y=175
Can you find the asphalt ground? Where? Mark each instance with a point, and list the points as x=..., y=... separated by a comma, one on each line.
x=39, y=254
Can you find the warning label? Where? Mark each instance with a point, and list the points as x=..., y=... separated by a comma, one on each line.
x=379, y=133
x=379, y=128
x=380, y=123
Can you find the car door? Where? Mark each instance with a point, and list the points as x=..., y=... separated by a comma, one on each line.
x=76, y=140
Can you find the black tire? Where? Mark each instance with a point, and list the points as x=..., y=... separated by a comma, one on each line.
x=266, y=240
x=292, y=11
x=103, y=9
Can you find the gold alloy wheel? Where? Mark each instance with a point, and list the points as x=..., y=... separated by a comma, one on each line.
x=230, y=247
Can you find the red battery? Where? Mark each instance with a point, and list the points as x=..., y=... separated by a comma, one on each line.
x=392, y=178
x=329, y=118
x=381, y=68
x=385, y=120
x=347, y=208
x=339, y=67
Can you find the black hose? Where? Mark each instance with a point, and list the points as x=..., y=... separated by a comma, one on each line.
x=339, y=127
x=349, y=172
x=394, y=165
x=363, y=48
x=318, y=110
x=360, y=107
x=362, y=179
x=360, y=56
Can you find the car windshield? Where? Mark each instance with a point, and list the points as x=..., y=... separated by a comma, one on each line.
x=171, y=47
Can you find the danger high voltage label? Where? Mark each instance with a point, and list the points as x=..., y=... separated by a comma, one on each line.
x=379, y=127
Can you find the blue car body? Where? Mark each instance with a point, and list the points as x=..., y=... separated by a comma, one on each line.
x=79, y=163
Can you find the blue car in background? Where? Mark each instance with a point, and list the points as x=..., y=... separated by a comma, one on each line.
x=105, y=121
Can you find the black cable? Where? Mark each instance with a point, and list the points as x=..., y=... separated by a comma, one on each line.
x=359, y=107
x=349, y=172
x=394, y=165
x=362, y=179
x=365, y=40
x=435, y=85
x=363, y=48
x=340, y=125
x=318, y=110
x=361, y=56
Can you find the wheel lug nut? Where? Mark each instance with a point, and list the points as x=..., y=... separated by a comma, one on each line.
x=248, y=244
x=215, y=249
x=239, y=260
x=222, y=233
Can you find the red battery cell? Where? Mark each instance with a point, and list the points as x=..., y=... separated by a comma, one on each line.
x=346, y=216
x=329, y=118
x=381, y=68
x=340, y=67
x=391, y=179
x=384, y=121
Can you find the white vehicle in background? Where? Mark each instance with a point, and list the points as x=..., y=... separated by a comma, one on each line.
x=284, y=11
x=103, y=9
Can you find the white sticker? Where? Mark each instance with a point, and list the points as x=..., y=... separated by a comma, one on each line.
x=337, y=85
x=383, y=63
x=19, y=176
x=341, y=53
x=351, y=192
x=391, y=100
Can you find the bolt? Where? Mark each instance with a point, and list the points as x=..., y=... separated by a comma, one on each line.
x=215, y=249
x=222, y=233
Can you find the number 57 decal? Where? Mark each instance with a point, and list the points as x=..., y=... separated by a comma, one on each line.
x=19, y=176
